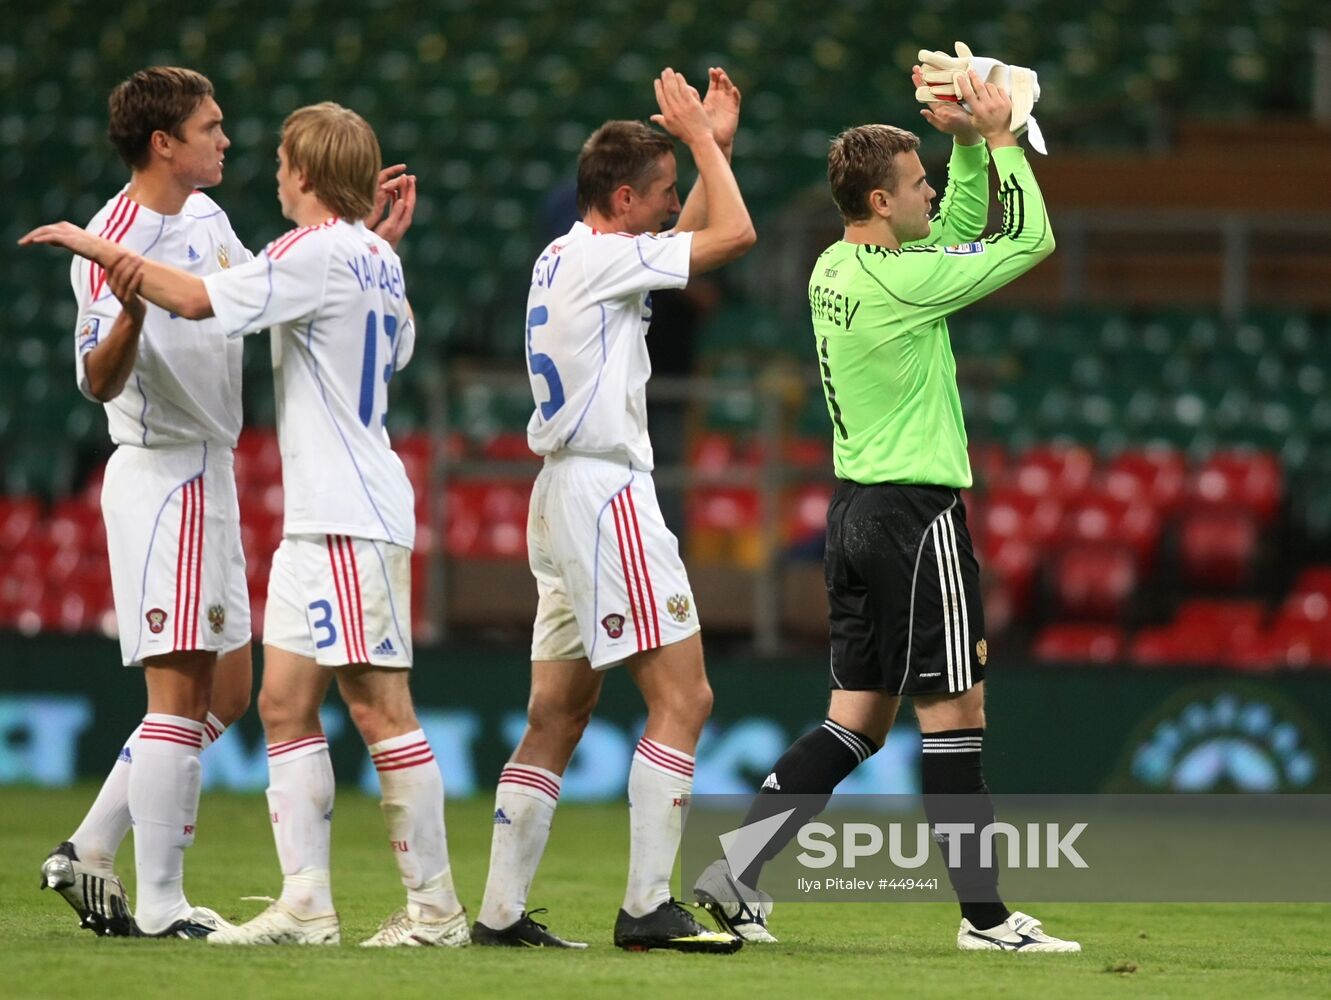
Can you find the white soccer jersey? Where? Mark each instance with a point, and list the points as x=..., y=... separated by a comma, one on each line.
x=185, y=386
x=587, y=319
x=335, y=298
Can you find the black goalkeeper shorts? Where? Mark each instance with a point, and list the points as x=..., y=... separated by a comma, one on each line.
x=903, y=589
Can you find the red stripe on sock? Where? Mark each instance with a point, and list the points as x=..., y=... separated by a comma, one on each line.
x=531, y=779
x=654, y=754
x=278, y=749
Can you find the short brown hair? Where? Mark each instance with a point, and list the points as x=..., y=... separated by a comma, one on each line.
x=863, y=159
x=619, y=152
x=156, y=99
x=339, y=153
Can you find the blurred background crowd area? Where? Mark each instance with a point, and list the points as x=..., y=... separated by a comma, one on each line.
x=1149, y=412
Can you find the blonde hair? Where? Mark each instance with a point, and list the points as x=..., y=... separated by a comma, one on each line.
x=862, y=160
x=339, y=154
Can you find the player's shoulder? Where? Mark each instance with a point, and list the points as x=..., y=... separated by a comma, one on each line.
x=119, y=213
x=200, y=206
x=303, y=241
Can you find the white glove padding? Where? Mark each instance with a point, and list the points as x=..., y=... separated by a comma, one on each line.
x=941, y=72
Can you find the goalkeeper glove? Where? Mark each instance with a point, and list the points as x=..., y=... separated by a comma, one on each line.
x=941, y=70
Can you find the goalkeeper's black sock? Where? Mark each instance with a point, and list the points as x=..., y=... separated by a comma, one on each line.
x=811, y=768
x=950, y=766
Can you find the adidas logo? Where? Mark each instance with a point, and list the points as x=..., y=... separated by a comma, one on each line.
x=385, y=648
x=124, y=755
x=771, y=782
x=193, y=255
x=501, y=819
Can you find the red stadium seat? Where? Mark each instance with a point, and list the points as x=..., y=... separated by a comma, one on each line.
x=1246, y=479
x=1218, y=547
x=1094, y=581
x=1013, y=513
x=1314, y=580
x=258, y=459
x=806, y=513
x=1060, y=471
x=486, y=519
x=18, y=517
x=1102, y=517
x=1014, y=562
x=1079, y=643
x=1157, y=476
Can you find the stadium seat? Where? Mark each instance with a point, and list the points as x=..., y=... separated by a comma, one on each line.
x=1101, y=517
x=1157, y=475
x=1061, y=472
x=1076, y=642
x=1218, y=547
x=1251, y=480
x=1094, y=581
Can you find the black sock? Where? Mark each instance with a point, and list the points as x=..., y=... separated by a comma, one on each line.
x=811, y=767
x=950, y=766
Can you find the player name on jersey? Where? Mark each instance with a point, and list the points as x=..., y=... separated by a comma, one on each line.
x=833, y=306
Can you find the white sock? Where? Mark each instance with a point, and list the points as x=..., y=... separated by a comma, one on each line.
x=98, y=837
x=163, y=798
x=524, y=807
x=660, y=781
x=103, y=830
x=300, y=807
x=413, y=804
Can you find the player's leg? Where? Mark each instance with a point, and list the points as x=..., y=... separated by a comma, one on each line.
x=564, y=691
x=860, y=713
x=563, y=695
x=673, y=682
x=412, y=798
x=163, y=792
x=300, y=789
x=945, y=678
x=300, y=801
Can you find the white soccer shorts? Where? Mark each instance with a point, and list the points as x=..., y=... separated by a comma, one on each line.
x=608, y=573
x=173, y=538
x=340, y=600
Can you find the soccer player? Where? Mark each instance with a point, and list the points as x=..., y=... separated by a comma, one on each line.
x=172, y=403
x=339, y=595
x=902, y=580
x=611, y=585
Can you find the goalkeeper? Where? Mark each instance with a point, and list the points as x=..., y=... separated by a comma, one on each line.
x=902, y=580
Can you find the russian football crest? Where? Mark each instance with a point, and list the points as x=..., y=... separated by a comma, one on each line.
x=982, y=652
x=156, y=620
x=613, y=625
x=678, y=607
x=216, y=618
x=223, y=258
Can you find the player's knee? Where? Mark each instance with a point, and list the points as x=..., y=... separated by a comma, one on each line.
x=558, y=722
x=229, y=706
x=688, y=706
x=280, y=712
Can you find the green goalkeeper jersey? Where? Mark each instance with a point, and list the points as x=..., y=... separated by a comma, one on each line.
x=880, y=323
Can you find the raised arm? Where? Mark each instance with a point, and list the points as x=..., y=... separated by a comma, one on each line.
x=728, y=232
x=172, y=289
x=722, y=107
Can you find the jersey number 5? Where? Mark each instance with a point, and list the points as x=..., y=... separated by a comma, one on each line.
x=544, y=366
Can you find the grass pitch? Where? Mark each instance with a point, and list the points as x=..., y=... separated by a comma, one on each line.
x=903, y=950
